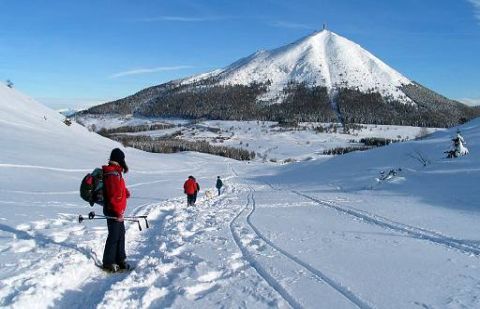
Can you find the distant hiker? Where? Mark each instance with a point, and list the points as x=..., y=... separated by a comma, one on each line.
x=116, y=194
x=190, y=188
x=219, y=184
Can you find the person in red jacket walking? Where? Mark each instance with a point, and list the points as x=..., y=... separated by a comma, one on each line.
x=115, y=198
x=190, y=188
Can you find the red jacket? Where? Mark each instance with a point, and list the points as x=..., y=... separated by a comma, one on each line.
x=190, y=186
x=115, y=192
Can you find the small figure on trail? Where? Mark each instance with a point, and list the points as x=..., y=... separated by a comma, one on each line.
x=219, y=184
x=190, y=188
x=458, y=147
x=116, y=194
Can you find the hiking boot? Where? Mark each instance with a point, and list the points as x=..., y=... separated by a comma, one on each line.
x=124, y=266
x=111, y=267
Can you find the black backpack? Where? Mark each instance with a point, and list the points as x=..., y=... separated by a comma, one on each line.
x=91, y=188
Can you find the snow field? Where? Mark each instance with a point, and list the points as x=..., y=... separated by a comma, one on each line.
x=270, y=142
x=380, y=264
x=330, y=233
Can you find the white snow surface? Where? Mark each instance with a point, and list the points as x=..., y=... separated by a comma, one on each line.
x=321, y=59
x=318, y=234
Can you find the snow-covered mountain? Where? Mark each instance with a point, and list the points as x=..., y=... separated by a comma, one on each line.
x=321, y=59
x=321, y=77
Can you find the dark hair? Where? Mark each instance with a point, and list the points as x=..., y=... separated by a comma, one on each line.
x=118, y=156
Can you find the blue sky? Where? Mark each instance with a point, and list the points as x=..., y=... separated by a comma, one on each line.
x=74, y=53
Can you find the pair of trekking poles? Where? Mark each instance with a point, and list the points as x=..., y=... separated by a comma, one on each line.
x=93, y=216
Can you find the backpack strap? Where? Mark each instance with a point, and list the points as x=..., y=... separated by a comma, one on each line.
x=114, y=173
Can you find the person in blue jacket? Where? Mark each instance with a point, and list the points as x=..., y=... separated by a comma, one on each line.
x=219, y=185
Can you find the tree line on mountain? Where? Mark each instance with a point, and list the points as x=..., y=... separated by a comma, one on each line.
x=135, y=128
x=430, y=110
x=173, y=145
x=228, y=102
x=368, y=143
x=378, y=141
x=206, y=99
x=437, y=108
x=344, y=150
x=128, y=104
x=209, y=102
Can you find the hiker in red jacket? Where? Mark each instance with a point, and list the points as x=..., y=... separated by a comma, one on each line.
x=115, y=198
x=190, y=188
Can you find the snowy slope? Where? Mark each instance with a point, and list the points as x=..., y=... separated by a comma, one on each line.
x=27, y=126
x=308, y=235
x=42, y=163
x=322, y=59
x=408, y=240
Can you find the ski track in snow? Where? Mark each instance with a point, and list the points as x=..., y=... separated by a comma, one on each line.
x=415, y=232
x=335, y=285
x=253, y=250
x=257, y=266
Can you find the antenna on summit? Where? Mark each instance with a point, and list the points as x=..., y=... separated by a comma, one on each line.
x=324, y=26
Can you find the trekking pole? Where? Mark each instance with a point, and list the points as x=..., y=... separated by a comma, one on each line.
x=81, y=218
x=144, y=217
x=91, y=215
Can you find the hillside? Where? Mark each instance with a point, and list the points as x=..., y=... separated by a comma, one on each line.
x=322, y=77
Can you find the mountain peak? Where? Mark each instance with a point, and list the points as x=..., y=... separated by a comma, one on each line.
x=321, y=32
x=322, y=58
x=318, y=39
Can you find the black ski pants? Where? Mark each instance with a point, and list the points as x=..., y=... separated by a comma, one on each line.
x=115, y=246
x=191, y=199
